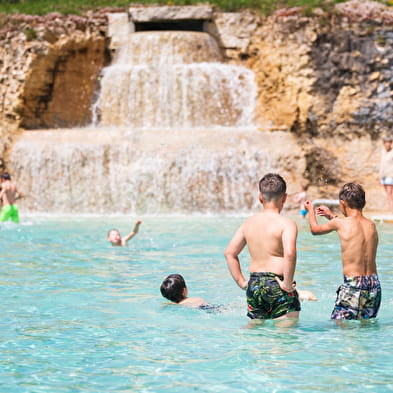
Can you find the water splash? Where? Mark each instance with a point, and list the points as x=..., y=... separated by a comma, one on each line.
x=118, y=172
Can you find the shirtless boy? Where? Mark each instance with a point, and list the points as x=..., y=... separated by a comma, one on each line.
x=115, y=238
x=174, y=289
x=359, y=297
x=9, y=194
x=271, y=241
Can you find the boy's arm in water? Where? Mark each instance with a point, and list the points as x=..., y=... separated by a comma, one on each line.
x=320, y=229
x=231, y=254
x=289, y=246
x=306, y=295
x=125, y=239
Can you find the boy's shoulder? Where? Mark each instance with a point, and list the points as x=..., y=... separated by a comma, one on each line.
x=270, y=218
x=192, y=302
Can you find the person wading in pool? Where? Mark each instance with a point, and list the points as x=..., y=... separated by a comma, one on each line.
x=386, y=170
x=271, y=241
x=9, y=194
x=359, y=297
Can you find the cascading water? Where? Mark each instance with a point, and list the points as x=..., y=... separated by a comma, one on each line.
x=175, y=79
x=174, y=134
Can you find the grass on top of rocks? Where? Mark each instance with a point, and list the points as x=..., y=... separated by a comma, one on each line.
x=43, y=7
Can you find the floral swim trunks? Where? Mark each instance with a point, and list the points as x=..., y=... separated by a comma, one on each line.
x=265, y=298
x=358, y=298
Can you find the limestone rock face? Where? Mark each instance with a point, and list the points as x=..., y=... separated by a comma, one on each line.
x=49, y=71
x=328, y=75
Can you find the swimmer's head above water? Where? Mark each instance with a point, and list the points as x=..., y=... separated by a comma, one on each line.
x=174, y=288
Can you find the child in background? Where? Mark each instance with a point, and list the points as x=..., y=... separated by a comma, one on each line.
x=300, y=198
x=115, y=238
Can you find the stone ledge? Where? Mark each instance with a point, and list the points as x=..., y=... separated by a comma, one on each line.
x=165, y=13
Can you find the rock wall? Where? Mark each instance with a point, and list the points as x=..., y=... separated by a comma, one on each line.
x=48, y=71
x=328, y=79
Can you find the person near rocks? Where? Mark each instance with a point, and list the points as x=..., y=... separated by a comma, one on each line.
x=300, y=198
x=9, y=194
x=386, y=170
x=271, y=241
x=115, y=238
x=359, y=297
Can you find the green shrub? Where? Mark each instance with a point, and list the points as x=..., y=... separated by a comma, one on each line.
x=42, y=7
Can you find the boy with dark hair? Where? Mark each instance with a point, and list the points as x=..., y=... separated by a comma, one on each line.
x=9, y=194
x=174, y=289
x=359, y=297
x=115, y=238
x=271, y=241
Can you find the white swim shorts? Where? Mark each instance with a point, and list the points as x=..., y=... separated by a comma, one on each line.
x=387, y=181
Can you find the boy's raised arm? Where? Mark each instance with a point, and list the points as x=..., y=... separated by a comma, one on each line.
x=231, y=254
x=125, y=239
x=320, y=229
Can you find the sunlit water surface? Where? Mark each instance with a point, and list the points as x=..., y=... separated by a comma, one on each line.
x=78, y=315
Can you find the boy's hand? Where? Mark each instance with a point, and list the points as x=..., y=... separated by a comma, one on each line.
x=283, y=287
x=136, y=226
x=324, y=211
x=308, y=205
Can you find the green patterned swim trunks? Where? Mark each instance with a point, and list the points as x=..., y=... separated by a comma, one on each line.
x=265, y=298
x=9, y=212
x=358, y=297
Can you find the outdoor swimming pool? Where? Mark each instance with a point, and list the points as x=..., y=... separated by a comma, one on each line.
x=78, y=315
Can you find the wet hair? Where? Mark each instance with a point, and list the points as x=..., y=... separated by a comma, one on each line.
x=6, y=176
x=272, y=186
x=172, y=288
x=114, y=229
x=354, y=195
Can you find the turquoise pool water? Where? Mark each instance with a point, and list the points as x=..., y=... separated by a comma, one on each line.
x=78, y=315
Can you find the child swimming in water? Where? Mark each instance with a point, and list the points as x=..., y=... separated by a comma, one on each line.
x=174, y=288
x=115, y=238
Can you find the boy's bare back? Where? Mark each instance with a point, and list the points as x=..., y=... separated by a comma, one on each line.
x=9, y=193
x=358, y=237
x=267, y=234
x=359, y=242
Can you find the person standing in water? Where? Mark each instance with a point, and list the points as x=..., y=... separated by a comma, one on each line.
x=300, y=198
x=386, y=170
x=359, y=297
x=271, y=241
x=9, y=194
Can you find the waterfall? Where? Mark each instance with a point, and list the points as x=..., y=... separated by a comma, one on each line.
x=140, y=172
x=174, y=79
x=173, y=134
